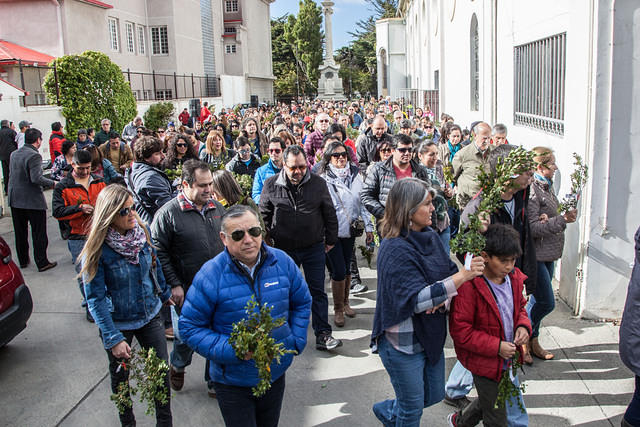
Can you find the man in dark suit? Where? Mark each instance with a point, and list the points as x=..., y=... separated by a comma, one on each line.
x=27, y=201
x=7, y=146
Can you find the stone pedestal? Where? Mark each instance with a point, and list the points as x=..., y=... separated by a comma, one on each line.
x=329, y=84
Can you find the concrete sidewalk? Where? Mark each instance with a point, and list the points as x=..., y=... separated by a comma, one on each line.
x=55, y=372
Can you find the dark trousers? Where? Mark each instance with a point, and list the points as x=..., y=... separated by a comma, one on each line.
x=632, y=415
x=38, y=219
x=150, y=335
x=5, y=174
x=339, y=258
x=312, y=260
x=482, y=407
x=240, y=408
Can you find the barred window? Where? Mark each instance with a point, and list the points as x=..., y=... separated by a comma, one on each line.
x=230, y=48
x=231, y=6
x=163, y=94
x=130, y=43
x=159, y=41
x=113, y=34
x=539, y=83
x=229, y=30
x=474, y=65
x=141, y=42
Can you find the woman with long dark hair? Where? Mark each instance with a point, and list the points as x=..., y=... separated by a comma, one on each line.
x=179, y=151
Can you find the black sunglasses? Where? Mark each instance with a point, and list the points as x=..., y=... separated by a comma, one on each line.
x=385, y=150
x=404, y=149
x=181, y=145
x=126, y=211
x=238, y=235
x=338, y=155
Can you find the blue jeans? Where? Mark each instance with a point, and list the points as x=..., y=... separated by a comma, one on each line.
x=445, y=237
x=414, y=392
x=460, y=382
x=454, y=221
x=312, y=260
x=515, y=416
x=632, y=415
x=542, y=302
x=339, y=258
x=75, y=247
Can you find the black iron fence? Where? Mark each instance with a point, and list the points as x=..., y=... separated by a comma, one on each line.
x=145, y=86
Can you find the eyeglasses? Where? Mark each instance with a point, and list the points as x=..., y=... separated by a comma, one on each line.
x=404, y=149
x=385, y=150
x=127, y=211
x=244, y=151
x=323, y=121
x=338, y=155
x=275, y=150
x=238, y=235
x=300, y=168
x=182, y=144
x=428, y=127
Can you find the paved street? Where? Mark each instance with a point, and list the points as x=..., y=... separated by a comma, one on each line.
x=55, y=372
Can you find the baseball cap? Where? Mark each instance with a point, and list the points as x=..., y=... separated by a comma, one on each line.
x=171, y=124
x=24, y=124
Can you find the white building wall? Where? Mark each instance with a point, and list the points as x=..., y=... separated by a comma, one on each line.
x=390, y=39
x=599, y=247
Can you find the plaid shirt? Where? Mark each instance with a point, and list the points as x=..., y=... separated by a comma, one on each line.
x=401, y=336
x=187, y=205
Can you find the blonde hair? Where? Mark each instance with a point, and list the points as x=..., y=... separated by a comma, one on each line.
x=543, y=157
x=108, y=204
x=213, y=135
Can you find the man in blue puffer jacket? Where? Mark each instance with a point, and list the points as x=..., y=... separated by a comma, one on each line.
x=217, y=299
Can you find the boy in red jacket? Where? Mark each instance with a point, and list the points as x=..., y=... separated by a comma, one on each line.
x=488, y=323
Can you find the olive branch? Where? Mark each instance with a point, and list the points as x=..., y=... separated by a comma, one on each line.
x=578, y=181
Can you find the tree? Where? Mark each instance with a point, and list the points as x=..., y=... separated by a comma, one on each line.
x=158, y=115
x=91, y=88
x=305, y=36
x=283, y=67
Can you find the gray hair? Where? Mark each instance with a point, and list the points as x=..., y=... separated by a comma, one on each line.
x=103, y=121
x=403, y=200
x=499, y=129
x=236, y=211
x=498, y=153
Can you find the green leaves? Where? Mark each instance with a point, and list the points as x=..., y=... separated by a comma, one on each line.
x=252, y=337
x=578, y=181
x=148, y=371
x=158, y=115
x=91, y=88
x=506, y=388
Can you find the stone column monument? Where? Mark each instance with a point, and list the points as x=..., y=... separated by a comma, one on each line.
x=329, y=84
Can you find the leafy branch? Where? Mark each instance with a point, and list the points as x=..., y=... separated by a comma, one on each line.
x=252, y=336
x=493, y=185
x=149, y=372
x=578, y=181
x=506, y=388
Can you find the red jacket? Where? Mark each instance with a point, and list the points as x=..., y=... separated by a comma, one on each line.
x=204, y=114
x=67, y=198
x=55, y=144
x=184, y=117
x=476, y=326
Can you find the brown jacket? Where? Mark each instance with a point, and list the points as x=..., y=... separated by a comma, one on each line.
x=124, y=157
x=465, y=170
x=548, y=237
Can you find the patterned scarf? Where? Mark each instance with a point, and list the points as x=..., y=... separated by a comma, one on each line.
x=344, y=174
x=128, y=245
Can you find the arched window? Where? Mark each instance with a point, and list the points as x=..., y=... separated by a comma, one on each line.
x=474, y=65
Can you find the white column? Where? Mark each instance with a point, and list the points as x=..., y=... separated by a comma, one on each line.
x=328, y=43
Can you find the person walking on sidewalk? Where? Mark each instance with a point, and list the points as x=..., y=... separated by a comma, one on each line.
x=27, y=202
x=216, y=301
x=186, y=234
x=8, y=144
x=415, y=280
x=344, y=183
x=125, y=289
x=74, y=200
x=300, y=218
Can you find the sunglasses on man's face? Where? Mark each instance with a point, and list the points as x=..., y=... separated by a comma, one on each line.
x=127, y=211
x=428, y=127
x=238, y=235
x=338, y=155
x=275, y=150
x=404, y=149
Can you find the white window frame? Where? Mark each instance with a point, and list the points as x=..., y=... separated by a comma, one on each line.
x=230, y=30
x=231, y=6
x=159, y=51
x=114, y=39
x=230, y=49
x=141, y=40
x=539, y=76
x=130, y=35
x=161, y=94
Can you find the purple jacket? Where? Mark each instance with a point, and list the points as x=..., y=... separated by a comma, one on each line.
x=313, y=144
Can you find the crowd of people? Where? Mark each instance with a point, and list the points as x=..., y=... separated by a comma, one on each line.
x=322, y=175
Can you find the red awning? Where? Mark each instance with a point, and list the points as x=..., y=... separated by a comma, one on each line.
x=10, y=53
x=97, y=3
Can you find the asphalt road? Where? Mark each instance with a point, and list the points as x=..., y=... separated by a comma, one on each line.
x=55, y=372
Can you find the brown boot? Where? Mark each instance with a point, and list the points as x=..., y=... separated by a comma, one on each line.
x=337, y=288
x=538, y=351
x=348, y=311
x=526, y=355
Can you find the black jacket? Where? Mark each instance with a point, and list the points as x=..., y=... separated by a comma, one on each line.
x=7, y=143
x=379, y=182
x=185, y=239
x=527, y=262
x=366, y=150
x=239, y=167
x=151, y=189
x=297, y=218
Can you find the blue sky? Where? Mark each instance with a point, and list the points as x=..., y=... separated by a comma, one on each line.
x=345, y=15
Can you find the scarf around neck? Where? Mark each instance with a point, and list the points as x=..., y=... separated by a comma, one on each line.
x=453, y=149
x=343, y=174
x=129, y=244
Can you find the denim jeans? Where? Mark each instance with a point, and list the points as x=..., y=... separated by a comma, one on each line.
x=515, y=416
x=414, y=392
x=454, y=221
x=632, y=415
x=445, y=237
x=75, y=247
x=460, y=382
x=542, y=302
x=150, y=335
x=339, y=258
x=240, y=408
x=312, y=260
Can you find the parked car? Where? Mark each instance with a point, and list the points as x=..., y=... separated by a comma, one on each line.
x=16, y=304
